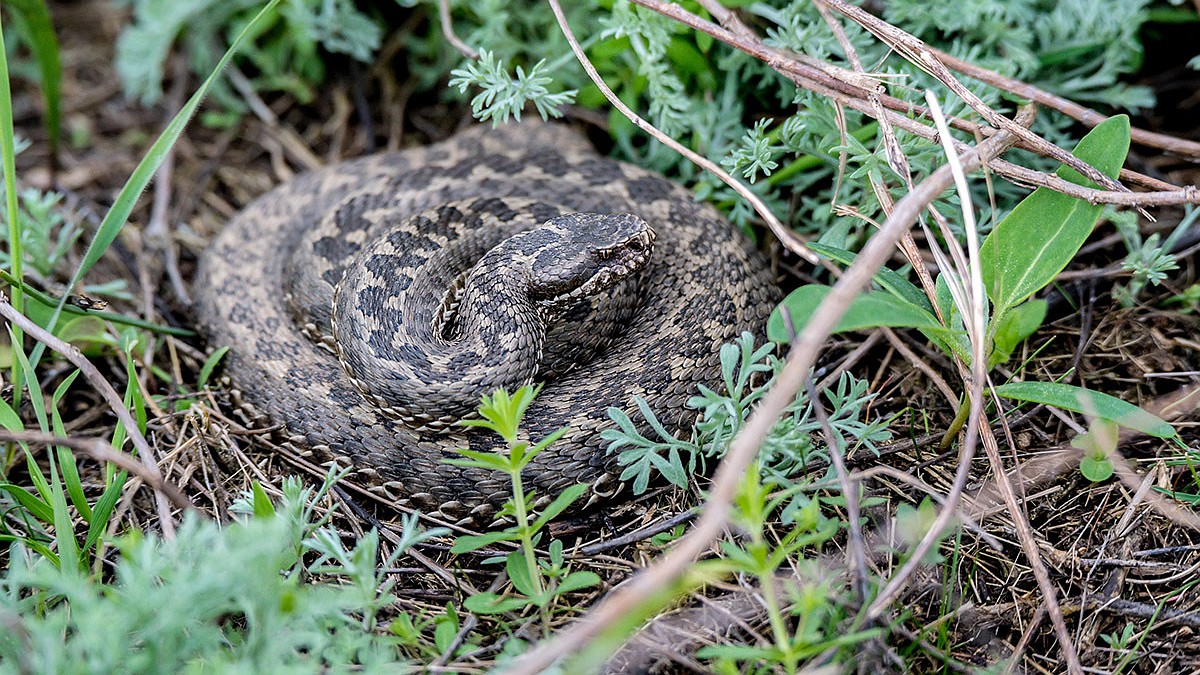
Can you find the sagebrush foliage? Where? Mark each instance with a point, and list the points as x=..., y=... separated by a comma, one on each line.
x=714, y=98
x=275, y=592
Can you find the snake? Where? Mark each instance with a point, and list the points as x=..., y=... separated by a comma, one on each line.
x=368, y=305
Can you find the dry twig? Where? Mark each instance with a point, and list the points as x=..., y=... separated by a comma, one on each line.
x=145, y=453
x=101, y=451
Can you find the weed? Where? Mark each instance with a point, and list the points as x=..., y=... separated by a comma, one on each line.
x=1149, y=259
x=276, y=591
x=538, y=582
x=283, y=48
x=747, y=372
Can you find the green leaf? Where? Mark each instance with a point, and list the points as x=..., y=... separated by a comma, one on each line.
x=1045, y=231
x=36, y=401
x=490, y=603
x=1017, y=324
x=103, y=509
x=64, y=530
x=1087, y=402
x=543, y=444
x=518, y=573
x=481, y=460
x=210, y=363
x=261, y=501
x=445, y=630
x=474, y=542
x=1097, y=443
x=1096, y=469
x=869, y=310
x=577, y=580
x=9, y=419
x=560, y=503
x=43, y=306
x=890, y=280
x=33, y=20
x=36, y=507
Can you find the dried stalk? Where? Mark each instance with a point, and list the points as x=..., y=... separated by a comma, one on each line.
x=145, y=453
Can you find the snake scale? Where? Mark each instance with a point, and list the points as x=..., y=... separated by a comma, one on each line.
x=369, y=304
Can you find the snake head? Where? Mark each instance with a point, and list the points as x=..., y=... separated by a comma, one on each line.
x=584, y=254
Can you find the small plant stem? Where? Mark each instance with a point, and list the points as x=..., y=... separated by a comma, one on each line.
x=766, y=579
x=522, y=516
x=956, y=425
x=15, y=255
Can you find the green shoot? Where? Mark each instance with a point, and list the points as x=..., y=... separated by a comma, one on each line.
x=537, y=583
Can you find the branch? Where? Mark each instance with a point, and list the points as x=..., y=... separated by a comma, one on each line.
x=448, y=32
x=101, y=451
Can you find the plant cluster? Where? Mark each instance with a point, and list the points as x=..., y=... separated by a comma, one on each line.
x=275, y=591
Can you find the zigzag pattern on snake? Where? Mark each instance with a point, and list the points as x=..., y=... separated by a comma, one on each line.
x=400, y=244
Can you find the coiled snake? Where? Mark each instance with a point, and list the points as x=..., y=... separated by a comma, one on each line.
x=431, y=276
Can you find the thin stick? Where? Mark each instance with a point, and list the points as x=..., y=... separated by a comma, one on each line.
x=744, y=447
x=448, y=32
x=781, y=231
x=145, y=452
x=103, y=452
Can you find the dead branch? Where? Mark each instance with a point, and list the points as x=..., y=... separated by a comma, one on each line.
x=101, y=451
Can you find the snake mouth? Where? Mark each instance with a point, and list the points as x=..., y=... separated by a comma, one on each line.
x=619, y=262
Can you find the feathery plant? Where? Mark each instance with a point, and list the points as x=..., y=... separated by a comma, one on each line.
x=285, y=52
x=700, y=91
x=747, y=373
x=218, y=599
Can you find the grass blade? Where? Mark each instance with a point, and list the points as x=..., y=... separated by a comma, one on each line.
x=118, y=214
x=33, y=19
x=8, y=156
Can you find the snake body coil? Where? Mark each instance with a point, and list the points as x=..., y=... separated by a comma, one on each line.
x=369, y=305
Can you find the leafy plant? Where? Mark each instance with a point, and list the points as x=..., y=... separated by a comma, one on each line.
x=1021, y=256
x=758, y=510
x=747, y=373
x=1149, y=259
x=35, y=28
x=283, y=48
x=217, y=599
x=537, y=582
x=504, y=96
